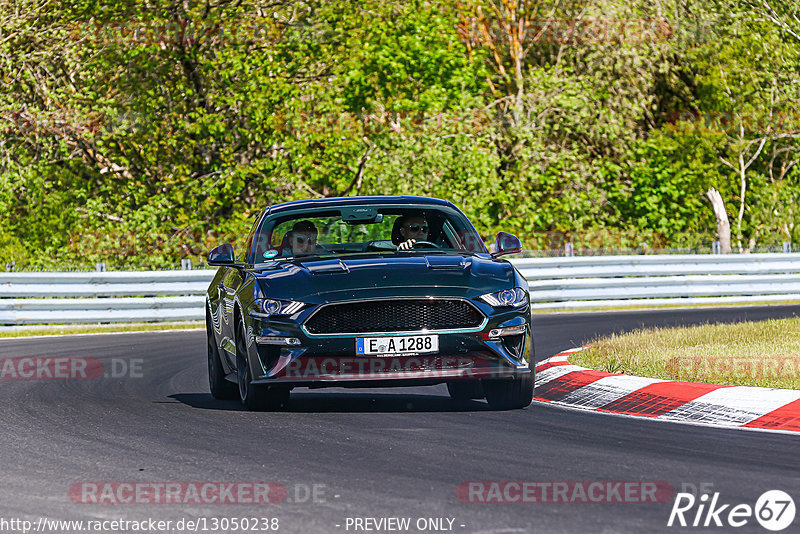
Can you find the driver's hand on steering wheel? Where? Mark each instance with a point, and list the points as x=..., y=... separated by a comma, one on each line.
x=412, y=229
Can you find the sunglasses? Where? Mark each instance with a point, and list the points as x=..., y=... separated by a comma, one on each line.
x=301, y=240
x=417, y=228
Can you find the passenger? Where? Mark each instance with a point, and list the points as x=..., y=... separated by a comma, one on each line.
x=410, y=229
x=302, y=239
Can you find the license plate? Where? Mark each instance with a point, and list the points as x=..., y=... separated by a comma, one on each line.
x=397, y=345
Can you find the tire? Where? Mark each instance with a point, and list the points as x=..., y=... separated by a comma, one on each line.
x=255, y=397
x=221, y=389
x=509, y=394
x=465, y=390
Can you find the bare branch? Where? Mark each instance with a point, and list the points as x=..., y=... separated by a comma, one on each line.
x=359, y=177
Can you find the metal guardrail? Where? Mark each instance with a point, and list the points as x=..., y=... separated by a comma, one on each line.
x=569, y=283
x=93, y=297
x=619, y=281
x=110, y=284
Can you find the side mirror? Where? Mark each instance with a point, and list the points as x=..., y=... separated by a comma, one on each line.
x=221, y=255
x=506, y=244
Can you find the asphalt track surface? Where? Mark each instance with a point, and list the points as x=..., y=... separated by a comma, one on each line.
x=372, y=453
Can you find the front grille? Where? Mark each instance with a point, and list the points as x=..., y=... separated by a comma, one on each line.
x=394, y=316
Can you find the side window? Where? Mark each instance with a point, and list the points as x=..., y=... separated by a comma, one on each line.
x=276, y=237
x=260, y=245
x=257, y=242
x=249, y=253
x=450, y=237
x=472, y=242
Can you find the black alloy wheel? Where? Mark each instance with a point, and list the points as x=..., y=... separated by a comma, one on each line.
x=255, y=397
x=221, y=389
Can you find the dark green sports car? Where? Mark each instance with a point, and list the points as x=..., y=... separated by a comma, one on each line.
x=368, y=292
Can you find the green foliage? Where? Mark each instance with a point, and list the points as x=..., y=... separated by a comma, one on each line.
x=12, y=250
x=142, y=135
x=669, y=174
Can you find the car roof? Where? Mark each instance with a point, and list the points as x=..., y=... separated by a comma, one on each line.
x=358, y=201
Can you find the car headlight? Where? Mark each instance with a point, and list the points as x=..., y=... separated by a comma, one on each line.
x=516, y=298
x=270, y=307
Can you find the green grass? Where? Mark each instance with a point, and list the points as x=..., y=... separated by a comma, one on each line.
x=764, y=354
x=57, y=330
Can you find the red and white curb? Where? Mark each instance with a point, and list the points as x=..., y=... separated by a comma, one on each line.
x=559, y=382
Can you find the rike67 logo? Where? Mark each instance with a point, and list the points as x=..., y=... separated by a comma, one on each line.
x=774, y=510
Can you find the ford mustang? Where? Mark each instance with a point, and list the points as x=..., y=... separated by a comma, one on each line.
x=368, y=292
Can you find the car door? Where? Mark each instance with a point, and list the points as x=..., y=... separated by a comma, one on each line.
x=228, y=287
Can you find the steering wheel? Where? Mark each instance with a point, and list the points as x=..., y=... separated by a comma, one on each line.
x=425, y=244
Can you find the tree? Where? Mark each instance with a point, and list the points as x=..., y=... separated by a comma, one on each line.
x=723, y=225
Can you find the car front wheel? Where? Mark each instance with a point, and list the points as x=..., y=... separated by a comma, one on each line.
x=221, y=389
x=509, y=394
x=465, y=390
x=255, y=397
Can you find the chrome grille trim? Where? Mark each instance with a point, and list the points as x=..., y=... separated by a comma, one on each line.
x=477, y=328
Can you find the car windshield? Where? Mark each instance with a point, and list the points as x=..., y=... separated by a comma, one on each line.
x=365, y=229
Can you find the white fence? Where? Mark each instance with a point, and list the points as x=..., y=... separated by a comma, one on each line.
x=569, y=283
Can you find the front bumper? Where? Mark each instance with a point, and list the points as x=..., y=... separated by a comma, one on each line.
x=331, y=360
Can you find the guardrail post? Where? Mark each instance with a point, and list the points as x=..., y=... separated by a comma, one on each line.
x=100, y=267
x=787, y=246
x=186, y=264
x=716, y=248
x=569, y=249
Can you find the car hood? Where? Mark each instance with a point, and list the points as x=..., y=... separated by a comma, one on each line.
x=324, y=279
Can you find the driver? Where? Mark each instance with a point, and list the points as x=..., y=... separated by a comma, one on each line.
x=413, y=228
x=303, y=238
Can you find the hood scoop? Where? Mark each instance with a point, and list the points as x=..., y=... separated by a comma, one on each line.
x=446, y=263
x=267, y=266
x=328, y=267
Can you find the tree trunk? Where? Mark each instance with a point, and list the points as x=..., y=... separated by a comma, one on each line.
x=723, y=225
